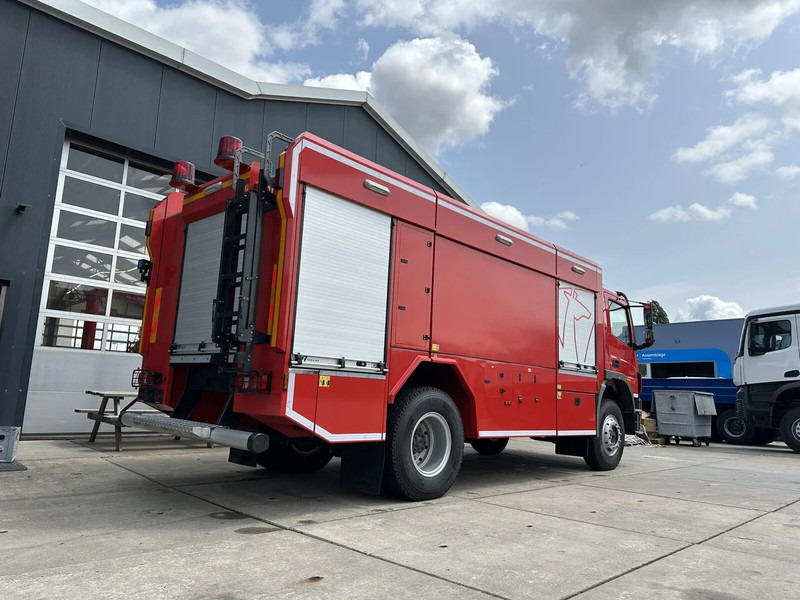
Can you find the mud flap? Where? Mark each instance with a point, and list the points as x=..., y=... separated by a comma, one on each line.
x=572, y=446
x=362, y=467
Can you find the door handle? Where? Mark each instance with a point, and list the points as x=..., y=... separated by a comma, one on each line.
x=615, y=363
x=793, y=373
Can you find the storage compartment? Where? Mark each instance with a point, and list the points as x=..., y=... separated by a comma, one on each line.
x=343, y=282
x=199, y=280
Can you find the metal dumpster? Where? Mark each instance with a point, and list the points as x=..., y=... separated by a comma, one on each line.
x=684, y=414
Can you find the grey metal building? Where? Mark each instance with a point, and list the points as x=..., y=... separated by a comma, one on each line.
x=93, y=111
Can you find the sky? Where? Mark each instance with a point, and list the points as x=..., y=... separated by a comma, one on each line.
x=660, y=138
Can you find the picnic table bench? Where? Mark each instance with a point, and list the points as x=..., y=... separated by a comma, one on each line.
x=110, y=416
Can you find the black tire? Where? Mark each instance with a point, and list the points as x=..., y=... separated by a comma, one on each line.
x=790, y=429
x=763, y=437
x=489, y=446
x=605, y=449
x=424, y=444
x=734, y=430
x=296, y=456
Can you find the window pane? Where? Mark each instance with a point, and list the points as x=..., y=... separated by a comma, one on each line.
x=127, y=272
x=122, y=338
x=147, y=179
x=90, y=195
x=71, y=333
x=87, y=264
x=94, y=163
x=76, y=298
x=770, y=336
x=127, y=305
x=137, y=207
x=619, y=322
x=132, y=239
x=89, y=230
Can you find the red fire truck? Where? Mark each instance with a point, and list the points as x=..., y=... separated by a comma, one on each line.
x=330, y=306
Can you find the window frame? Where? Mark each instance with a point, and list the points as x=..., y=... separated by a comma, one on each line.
x=111, y=285
x=764, y=349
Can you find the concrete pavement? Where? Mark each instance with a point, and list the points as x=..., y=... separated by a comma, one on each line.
x=167, y=519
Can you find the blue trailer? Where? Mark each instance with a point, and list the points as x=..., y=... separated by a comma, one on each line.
x=698, y=356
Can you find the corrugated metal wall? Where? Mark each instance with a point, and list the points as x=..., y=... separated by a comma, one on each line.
x=56, y=78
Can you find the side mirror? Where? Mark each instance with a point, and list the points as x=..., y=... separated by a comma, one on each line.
x=648, y=318
x=649, y=338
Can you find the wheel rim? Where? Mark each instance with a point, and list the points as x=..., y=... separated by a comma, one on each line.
x=430, y=444
x=796, y=429
x=611, y=435
x=734, y=427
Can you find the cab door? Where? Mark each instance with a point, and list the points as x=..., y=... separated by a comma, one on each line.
x=772, y=350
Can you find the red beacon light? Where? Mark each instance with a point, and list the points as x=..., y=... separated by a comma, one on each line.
x=183, y=176
x=226, y=153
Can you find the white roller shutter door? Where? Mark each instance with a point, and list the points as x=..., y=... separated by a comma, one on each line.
x=342, y=283
x=199, y=281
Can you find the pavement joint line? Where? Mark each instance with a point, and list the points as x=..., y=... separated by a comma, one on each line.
x=606, y=526
x=687, y=499
x=688, y=545
x=320, y=539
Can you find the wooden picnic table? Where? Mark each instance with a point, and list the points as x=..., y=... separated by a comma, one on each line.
x=110, y=416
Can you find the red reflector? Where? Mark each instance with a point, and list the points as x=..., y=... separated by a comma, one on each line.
x=182, y=175
x=228, y=146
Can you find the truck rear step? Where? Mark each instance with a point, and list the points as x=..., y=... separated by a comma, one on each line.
x=216, y=434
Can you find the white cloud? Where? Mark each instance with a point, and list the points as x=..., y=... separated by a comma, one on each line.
x=610, y=48
x=359, y=82
x=782, y=87
x=724, y=137
x=788, y=172
x=694, y=212
x=436, y=88
x=513, y=216
x=741, y=168
x=702, y=308
x=506, y=212
x=362, y=47
x=743, y=200
x=205, y=26
x=700, y=212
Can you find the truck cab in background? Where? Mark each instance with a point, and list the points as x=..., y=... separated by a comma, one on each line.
x=767, y=371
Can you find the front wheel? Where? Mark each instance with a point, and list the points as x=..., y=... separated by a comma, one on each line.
x=790, y=429
x=605, y=449
x=424, y=444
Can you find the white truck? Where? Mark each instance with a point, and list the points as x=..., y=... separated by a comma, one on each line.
x=766, y=371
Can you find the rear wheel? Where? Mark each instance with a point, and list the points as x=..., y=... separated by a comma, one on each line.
x=296, y=456
x=734, y=430
x=489, y=446
x=424, y=444
x=605, y=449
x=790, y=429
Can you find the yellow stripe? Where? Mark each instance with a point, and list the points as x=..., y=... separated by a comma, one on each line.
x=188, y=199
x=156, y=311
x=281, y=256
x=147, y=289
